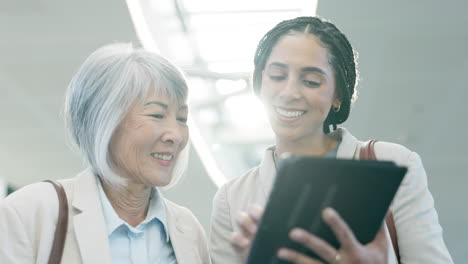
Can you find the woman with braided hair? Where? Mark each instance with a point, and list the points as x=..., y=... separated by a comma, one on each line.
x=306, y=74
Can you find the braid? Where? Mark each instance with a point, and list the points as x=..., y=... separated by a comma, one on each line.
x=342, y=59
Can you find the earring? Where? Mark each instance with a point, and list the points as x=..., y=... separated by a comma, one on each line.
x=336, y=108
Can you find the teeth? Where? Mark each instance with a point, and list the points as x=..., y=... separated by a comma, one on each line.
x=289, y=113
x=162, y=156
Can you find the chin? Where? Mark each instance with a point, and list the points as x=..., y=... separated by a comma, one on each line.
x=162, y=181
x=287, y=133
x=164, y=184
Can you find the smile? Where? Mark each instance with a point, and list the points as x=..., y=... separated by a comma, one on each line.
x=162, y=156
x=289, y=113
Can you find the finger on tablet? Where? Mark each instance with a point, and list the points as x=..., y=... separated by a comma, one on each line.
x=255, y=211
x=339, y=227
x=314, y=243
x=239, y=241
x=247, y=224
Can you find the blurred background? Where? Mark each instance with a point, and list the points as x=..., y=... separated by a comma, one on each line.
x=412, y=58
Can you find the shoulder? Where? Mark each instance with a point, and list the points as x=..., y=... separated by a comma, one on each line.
x=416, y=175
x=183, y=215
x=235, y=196
x=402, y=156
x=350, y=148
x=179, y=210
x=396, y=153
x=388, y=150
x=31, y=198
x=28, y=213
x=37, y=199
x=241, y=185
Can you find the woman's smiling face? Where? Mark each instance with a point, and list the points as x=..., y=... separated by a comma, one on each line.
x=147, y=143
x=298, y=86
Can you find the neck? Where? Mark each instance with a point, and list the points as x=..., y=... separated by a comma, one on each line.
x=316, y=145
x=130, y=202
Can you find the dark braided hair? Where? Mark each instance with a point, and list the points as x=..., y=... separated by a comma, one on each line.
x=341, y=57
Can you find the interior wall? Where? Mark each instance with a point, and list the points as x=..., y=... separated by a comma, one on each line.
x=42, y=44
x=413, y=59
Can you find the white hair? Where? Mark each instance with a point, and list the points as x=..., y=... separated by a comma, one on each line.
x=100, y=94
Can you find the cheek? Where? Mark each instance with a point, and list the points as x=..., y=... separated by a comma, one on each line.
x=134, y=143
x=325, y=100
x=122, y=150
x=321, y=101
x=146, y=133
x=119, y=141
x=268, y=88
x=185, y=137
x=325, y=97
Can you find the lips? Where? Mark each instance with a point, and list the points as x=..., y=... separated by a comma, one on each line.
x=162, y=156
x=164, y=159
x=289, y=112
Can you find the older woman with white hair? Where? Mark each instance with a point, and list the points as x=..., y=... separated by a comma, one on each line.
x=125, y=110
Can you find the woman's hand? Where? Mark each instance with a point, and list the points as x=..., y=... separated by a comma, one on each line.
x=351, y=250
x=248, y=223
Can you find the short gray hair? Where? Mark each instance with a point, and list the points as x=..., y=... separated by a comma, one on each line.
x=100, y=94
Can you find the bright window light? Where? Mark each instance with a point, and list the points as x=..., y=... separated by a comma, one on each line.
x=226, y=87
x=246, y=112
x=214, y=42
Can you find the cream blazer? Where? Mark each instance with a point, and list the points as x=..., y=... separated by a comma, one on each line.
x=28, y=218
x=419, y=233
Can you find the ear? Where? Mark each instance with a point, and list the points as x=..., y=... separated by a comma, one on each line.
x=337, y=97
x=336, y=102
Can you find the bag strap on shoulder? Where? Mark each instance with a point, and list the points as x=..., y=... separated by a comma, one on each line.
x=62, y=224
x=368, y=153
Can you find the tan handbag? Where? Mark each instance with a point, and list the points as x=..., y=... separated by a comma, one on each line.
x=62, y=224
x=368, y=153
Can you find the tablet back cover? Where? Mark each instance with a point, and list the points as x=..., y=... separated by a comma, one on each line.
x=361, y=192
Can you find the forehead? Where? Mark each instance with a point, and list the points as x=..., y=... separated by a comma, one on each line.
x=300, y=50
x=168, y=95
x=165, y=99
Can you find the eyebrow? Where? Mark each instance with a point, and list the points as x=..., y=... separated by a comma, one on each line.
x=165, y=106
x=305, y=69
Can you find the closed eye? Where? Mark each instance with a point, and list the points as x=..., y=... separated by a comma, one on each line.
x=182, y=119
x=311, y=83
x=277, y=78
x=158, y=116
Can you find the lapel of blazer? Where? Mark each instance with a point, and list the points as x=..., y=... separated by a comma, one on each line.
x=88, y=221
x=348, y=149
x=349, y=146
x=267, y=173
x=182, y=237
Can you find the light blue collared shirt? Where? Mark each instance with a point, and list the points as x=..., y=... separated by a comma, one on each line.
x=146, y=243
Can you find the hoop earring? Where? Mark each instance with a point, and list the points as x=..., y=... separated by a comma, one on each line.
x=336, y=108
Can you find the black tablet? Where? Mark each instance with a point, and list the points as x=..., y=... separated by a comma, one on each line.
x=360, y=191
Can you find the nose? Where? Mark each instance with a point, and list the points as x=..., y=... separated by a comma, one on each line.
x=291, y=90
x=173, y=133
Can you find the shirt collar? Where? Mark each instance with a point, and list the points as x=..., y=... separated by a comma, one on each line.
x=156, y=211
